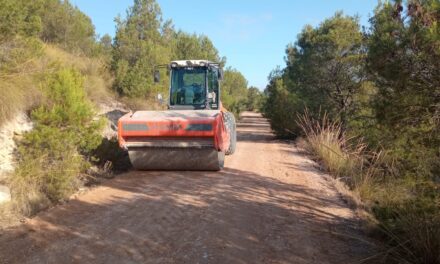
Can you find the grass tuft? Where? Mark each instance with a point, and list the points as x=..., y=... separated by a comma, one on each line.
x=407, y=210
x=327, y=141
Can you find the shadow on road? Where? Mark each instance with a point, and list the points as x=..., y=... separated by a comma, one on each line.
x=182, y=218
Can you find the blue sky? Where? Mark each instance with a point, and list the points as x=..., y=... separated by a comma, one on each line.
x=252, y=34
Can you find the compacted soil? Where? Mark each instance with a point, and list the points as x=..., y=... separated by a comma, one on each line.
x=269, y=205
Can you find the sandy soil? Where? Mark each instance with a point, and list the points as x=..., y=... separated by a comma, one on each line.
x=269, y=205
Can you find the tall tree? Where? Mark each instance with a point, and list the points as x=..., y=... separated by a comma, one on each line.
x=325, y=66
x=234, y=90
x=281, y=105
x=138, y=48
x=254, y=98
x=66, y=25
x=193, y=46
x=404, y=63
x=18, y=17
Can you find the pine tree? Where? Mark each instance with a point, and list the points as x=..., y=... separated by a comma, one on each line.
x=138, y=48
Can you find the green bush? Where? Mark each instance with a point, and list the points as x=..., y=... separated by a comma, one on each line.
x=139, y=46
x=54, y=154
x=53, y=21
x=404, y=61
x=234, y=91
x=280, y=106
x=68, y=109
x=411, y=224
x=18, y=17
x=254, y=99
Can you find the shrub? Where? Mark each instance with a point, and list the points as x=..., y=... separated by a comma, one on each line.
x=407, y=209
x=23, y=63
x=254, y=99
x=341, y=156
x=412, y=225
x=53, y=155
x=281, y=119
x=18, y=17
x=136, y=104
x=68, y=109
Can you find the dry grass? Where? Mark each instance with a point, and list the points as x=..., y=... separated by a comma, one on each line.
x=369, y=174
x=406, y=215
x=20, y=87
x=19, y=90
x=337, y=154
x=27, y=199
x=8, y=216
x=19, y=93
x=98, y=80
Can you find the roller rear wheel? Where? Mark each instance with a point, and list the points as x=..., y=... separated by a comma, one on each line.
x=232, y=131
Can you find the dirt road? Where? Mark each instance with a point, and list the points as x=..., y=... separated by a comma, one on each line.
x=269, y=205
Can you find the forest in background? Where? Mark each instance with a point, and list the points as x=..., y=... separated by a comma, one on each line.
x=29, y=30
x=366, y=102
x=55, y=68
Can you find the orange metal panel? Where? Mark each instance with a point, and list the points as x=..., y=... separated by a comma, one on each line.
x=175, y=127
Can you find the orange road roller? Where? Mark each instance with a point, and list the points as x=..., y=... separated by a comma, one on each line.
x=194, y=133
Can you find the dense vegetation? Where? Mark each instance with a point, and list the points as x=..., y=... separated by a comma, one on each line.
x=54, y=67
x=143, y=41
x=51, y=67
x=368, y=103
x=53, y=154
x=52, y=21
x=29, y=32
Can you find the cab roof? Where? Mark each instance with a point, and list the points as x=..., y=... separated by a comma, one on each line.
x=194, y=63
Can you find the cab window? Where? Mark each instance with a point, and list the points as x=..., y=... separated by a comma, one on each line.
x=213, y=88
x=188, y=86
